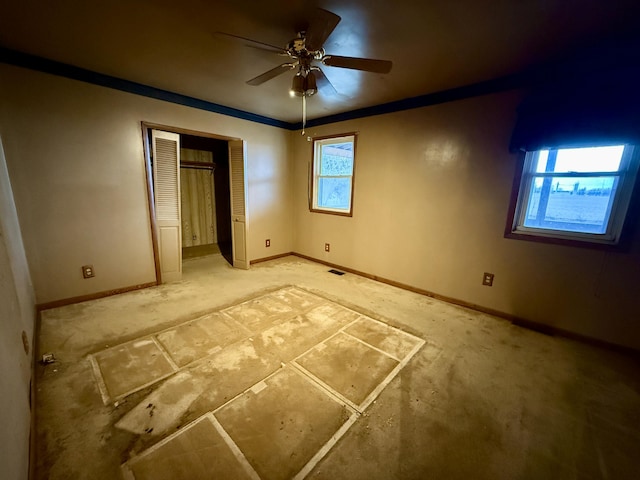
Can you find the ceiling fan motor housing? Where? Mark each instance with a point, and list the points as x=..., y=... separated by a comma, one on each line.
x=297, y=45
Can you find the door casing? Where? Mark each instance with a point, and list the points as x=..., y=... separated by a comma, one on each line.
x=153, y=222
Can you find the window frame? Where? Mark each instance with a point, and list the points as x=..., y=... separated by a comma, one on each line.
x=318, y=143
x=622, y=210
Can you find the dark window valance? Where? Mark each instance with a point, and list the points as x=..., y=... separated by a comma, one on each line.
x=600, y=109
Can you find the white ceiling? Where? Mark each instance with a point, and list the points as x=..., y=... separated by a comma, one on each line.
x=434, y=44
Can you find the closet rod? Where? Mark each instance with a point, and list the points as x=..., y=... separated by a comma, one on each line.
x=198, y=165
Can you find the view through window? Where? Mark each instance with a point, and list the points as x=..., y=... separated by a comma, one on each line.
x=580, y=193
x=333, y=167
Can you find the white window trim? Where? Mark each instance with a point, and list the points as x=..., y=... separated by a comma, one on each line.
x=627, y=174
x=318, y=143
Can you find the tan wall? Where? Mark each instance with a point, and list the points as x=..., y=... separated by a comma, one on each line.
x=17, y=315
x=432, y=190
x=75, y=157
x=431, y=197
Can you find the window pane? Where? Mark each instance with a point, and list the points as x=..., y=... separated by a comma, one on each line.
x=576, y=204
x=333, y=168
x=591, y=159
x=337, y=159
x=542, y=161
x=334, y=193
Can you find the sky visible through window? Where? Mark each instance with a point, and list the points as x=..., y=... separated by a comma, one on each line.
x=592, y=159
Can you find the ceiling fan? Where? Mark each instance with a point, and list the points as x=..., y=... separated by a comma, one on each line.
x=306, y=51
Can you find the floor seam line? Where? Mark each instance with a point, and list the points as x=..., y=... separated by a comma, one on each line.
x=102, y=386
x=387, y=354
x=325, y=388
x=235, y=449
x=166, y=354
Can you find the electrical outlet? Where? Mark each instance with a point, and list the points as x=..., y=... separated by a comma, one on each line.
x=487, y=279
x=88, y=271
x=327, y=248
x=267, y=242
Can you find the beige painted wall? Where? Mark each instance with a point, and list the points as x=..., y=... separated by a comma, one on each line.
x=432, y=190
x=431, y=197
x=75, y=157
x=17, y=315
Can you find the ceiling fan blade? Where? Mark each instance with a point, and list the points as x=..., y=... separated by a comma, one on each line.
x=364, y=64
x=251, y=43
x=323, y=82
x=319, y=29
x=268, y=75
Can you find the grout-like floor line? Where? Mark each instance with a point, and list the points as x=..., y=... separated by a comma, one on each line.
x=392, y=374
x=102, y=386
x=127, y=474
x=242, y=327
x=246, y=390
x=165, y=440
x=234, y=447
x=326, y=389
x=366, y=344
x=320, y=454
x=117, y=398
x=166, y=354
x=380, y=322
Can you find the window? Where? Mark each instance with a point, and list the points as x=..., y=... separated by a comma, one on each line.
x=575, y=194
x=333, y=167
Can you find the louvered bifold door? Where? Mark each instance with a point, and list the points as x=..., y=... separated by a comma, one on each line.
x=166, y=188
x=237, y=163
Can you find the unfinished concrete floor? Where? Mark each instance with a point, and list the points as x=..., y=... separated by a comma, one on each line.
x=344, y=378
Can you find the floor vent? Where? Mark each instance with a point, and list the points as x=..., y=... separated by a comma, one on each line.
x=336, y=272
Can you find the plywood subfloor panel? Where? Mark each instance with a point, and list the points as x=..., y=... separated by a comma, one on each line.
x=282, y=423
x=199, y=452
x=285, y=374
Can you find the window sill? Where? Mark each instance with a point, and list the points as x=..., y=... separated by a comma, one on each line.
x=331, y=212
x=620, y=246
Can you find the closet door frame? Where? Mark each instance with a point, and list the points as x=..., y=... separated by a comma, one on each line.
x=146, y=128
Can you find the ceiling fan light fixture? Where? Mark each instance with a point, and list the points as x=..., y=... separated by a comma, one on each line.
x=311, y=87
x=297, y=86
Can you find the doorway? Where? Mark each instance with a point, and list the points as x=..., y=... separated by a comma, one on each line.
x=205, y=197
x=213, y=204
